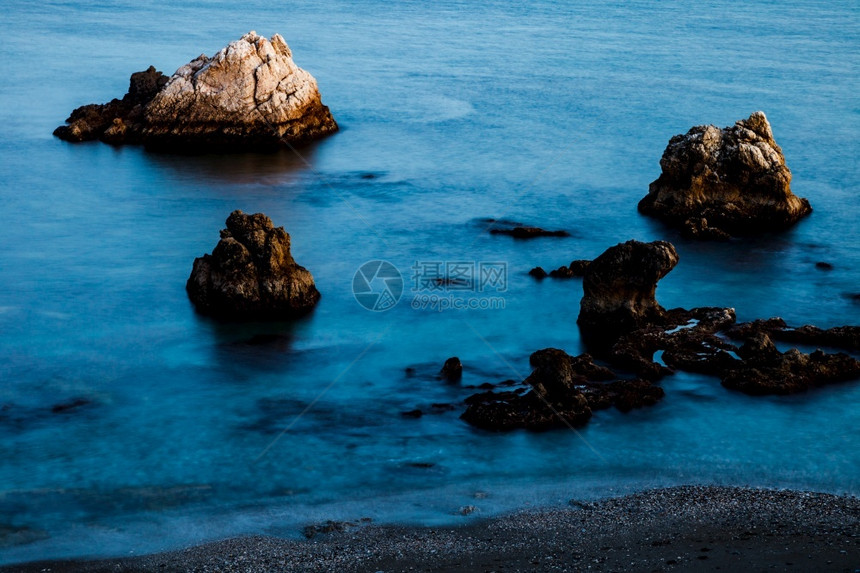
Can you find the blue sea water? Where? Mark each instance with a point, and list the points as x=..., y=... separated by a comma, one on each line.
x=551, y=113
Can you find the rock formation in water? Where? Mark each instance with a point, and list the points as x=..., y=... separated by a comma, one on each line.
x=621, y=320
x=118, y=121
x=564, y=391
x=527, y=232
x=249, y=95
x=452, y=370
x=251, y=274
x=721, y=182
x=518, y=230
x=619, y=288
x=575, y=269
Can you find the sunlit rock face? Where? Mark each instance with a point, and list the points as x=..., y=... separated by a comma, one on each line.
x=249, y=95
x=716, y=183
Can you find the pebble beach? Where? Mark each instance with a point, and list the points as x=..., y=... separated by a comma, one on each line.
x=688, y=528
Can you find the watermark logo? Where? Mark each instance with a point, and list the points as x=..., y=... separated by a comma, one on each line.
x=436, y=285
x=463, y=276
x=377, y=285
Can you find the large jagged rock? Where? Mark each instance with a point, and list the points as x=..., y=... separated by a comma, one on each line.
x=251, y=274
x=619, y=290
x=249, y=95
x=721, y=182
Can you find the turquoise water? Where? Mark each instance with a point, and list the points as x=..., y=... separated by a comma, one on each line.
x=550, y=114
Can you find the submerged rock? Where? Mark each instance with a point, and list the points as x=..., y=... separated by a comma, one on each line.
x=619, y=290
x=720, y=182
x=69, y=406
x=524, y=232
x=519, y=230
x=251, y=274
x=249, y=95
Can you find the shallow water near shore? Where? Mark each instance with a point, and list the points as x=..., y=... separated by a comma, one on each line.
x=188, y=429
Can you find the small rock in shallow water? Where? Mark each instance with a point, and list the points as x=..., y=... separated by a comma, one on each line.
x=452, y=370
x=823, y=266
x=529, y=232
x=68, y=406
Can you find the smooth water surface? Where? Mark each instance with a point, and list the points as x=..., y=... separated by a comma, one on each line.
x=551, y=114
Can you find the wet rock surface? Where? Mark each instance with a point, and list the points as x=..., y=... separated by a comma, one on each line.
x=251, y=274
x=623, y=325
x=118, y=121
x=619, y=290
x=575, y=269
x=766, y=370
x=526, y=232
x=249, y=95
x=452, y=370
x=519, y=230
x=846, y=337
x=721, y=182
x=698, y=340
x=564, y=392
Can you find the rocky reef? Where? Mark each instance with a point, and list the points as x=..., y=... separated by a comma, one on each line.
x=634, y=343
x=249, y=95
x=562, y=391
x=251, y=274
x=716, y=183
x=625, y=325
x=517, y=229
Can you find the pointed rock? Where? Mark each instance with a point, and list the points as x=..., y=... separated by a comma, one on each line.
x=251, y=274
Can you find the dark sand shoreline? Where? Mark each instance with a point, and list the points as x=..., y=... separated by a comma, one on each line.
x=686, y=528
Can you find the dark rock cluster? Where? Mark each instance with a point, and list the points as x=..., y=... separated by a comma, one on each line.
x=561, y=391
x=575, y=269
x=624, y=326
